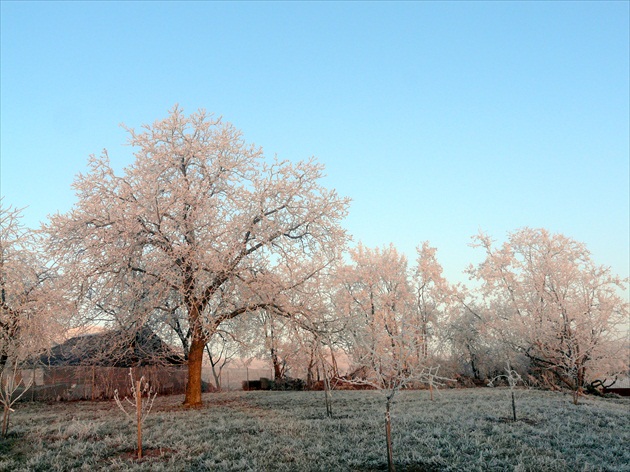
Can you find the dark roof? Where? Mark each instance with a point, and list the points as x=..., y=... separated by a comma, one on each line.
x=118, y=348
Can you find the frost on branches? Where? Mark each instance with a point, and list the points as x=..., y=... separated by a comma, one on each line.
x=553, y=304
x=396, y=314
x=142, y=407
x=31, y=305
x=389, y=316
x=200, y=229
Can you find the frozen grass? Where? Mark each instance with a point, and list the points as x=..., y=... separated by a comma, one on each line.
x=288, y=431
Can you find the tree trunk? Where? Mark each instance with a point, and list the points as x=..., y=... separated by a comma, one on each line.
x=5, y=421
x=216, y=368
x=217, y=379
x=473, y=366
x=425, y=337
x=309, y=369
x=579, y=382
x=327, y=397
x=277, y=368
x=195, y=359
x=333, y=360
x=327, y=393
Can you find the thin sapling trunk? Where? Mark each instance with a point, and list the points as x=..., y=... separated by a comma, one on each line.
x=5, y=421
x=139, y=418
x=328, y=397
x=143, y=408
x=8, y=388
x=513, y=379
x=326, y=380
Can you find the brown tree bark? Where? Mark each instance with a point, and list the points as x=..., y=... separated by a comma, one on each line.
x=278, y=373
x=195, y=359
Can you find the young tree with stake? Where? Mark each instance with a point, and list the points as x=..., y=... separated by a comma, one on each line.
x=140, y=407
x=379, y=303
x=10, y=381
x=512, y=378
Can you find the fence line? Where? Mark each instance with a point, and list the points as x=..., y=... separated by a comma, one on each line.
x=232, y=378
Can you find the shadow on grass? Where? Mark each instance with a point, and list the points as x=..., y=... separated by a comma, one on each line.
x=506, y=419
x=148, y=453
x=11, y=444
x=322, y=416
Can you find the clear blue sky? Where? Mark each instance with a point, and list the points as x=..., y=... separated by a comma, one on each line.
x=437, y=119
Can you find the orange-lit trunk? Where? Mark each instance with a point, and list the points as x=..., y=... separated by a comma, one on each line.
x=195, y=360
x=193, y=386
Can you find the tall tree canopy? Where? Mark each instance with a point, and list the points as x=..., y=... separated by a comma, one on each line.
x=396, y=313
x=378, y=302
x=554, y=304
x=30, y=304
x=201, y=228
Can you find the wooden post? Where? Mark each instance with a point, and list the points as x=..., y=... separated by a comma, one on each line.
x=431, y=388
x=513, y=407
x=388, y=435
x=139, y=416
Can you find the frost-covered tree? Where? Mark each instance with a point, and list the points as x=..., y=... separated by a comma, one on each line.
x=142, y=406
x=222, y=349
x=293, y=348
x=196, y=231
x=555, y=305
x=31, y=304
x=473, y=348
x=435, y=301
x=387, y=335
x=377, y=299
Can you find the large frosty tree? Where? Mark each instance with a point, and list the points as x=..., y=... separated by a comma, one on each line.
x=30, y=302
x=378, y=302
x=555, y=305
x=200, y=229
x=435, y=300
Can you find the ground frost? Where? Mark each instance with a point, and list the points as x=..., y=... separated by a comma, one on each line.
x=462, y=430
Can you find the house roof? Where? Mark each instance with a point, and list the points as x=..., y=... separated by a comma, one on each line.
x=116, y=348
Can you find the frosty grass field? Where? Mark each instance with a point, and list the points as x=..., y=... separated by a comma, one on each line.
x=464, y=430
